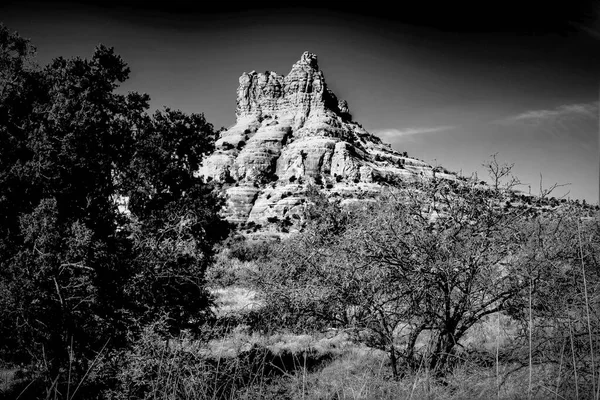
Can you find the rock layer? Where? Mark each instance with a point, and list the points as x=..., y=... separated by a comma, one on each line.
x=292, y=131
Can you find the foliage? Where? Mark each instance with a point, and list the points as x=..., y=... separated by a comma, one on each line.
x=62, y=256
x=177, y=367
x=76, y=273
x=175, y=223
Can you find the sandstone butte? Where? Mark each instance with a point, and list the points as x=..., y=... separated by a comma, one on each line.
x=291, y=132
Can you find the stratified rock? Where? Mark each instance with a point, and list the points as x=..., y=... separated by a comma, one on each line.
x=292, y=131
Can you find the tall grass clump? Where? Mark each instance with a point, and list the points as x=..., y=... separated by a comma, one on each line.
x=219, y=365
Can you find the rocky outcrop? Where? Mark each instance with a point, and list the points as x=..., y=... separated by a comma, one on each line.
x=292, y=131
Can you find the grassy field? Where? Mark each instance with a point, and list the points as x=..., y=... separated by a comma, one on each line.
x=238, y=358
x=235, y=361
x=329, y=365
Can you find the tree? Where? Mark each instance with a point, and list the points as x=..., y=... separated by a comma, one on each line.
x=76, y=274
x=175, y=223
x=427, y=260
x=62, y=258
x=19, y=87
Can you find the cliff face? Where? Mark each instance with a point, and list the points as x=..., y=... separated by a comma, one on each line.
x=291, y=131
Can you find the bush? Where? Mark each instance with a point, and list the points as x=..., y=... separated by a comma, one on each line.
x=182, y=368
x=247, y=250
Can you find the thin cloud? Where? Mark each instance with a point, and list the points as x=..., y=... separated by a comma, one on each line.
x=397, y=133
x=580, y=110
x=595, y=33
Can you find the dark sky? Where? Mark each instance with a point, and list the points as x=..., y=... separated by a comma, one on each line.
x=450, y=84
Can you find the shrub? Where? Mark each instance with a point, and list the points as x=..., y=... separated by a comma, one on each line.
x=397, y=265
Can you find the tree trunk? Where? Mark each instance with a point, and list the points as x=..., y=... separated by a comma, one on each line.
x=444, y=350
x=394, y=362
x=409, y=353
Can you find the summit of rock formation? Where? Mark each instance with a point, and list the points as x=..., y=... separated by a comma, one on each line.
x=292, y=131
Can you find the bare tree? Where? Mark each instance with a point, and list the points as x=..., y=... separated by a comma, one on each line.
x=426, y=261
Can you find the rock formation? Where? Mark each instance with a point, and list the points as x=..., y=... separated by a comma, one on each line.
x=291, y=131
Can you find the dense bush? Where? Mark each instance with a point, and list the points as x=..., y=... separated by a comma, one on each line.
x=177, y=367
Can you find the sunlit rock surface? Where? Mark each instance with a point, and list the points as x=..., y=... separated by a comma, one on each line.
x=292, y=131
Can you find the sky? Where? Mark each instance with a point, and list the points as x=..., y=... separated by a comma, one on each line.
x=450, y=84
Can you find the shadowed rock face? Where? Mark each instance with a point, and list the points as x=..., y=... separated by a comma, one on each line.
x=290, y=131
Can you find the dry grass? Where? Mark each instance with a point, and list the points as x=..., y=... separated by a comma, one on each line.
x=7, y=376
x=364, y=374
x=321, y=367
x=228, y=271
x=234, y=300
x=355, y=371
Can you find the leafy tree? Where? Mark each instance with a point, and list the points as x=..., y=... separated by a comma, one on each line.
x=19, y=87
x=175, y=223
x=62, y=258
x=76, y=273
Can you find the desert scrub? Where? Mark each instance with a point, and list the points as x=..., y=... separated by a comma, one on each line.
x=215, y=366
x=158, y=366
x=236, y=261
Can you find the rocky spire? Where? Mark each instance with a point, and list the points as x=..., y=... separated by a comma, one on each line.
x=290, y=131
x=302, y=91
x=309, y=59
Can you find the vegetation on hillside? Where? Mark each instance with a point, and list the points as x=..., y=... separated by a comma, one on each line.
x=428, y=260
x=112, y=253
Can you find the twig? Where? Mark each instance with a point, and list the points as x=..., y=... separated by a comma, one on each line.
x=587, y=309
x=573, y=355
x=530, y=339
x=562, y=352
x=498, y=357
x=89, y=369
